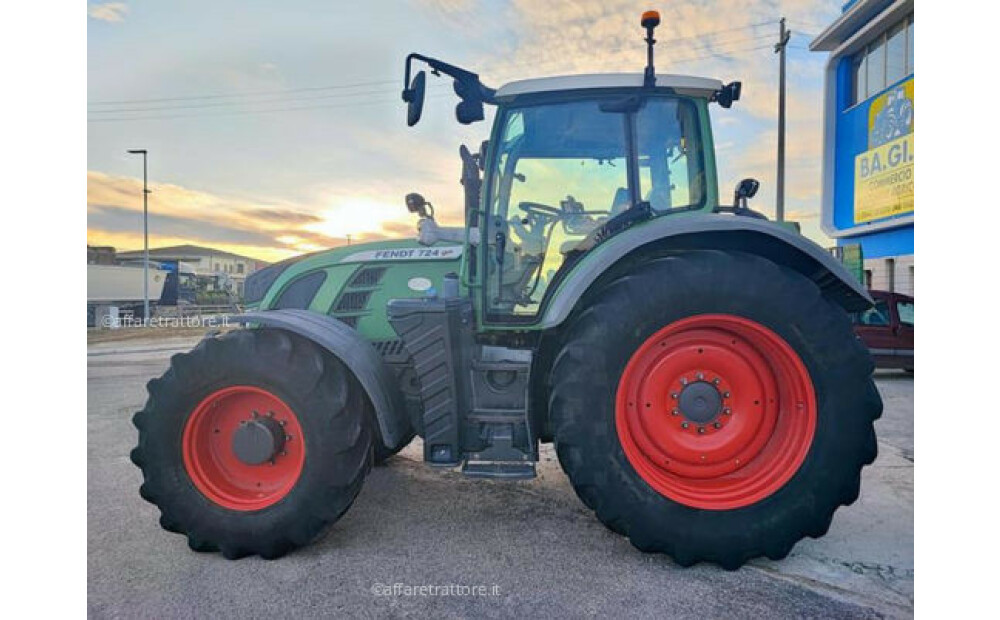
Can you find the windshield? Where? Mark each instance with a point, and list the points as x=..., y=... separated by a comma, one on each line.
x=561, y=170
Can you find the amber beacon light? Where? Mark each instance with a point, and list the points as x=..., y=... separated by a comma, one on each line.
x=650, y=20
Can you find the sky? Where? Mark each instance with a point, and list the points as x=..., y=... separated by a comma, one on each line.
x=275, y=129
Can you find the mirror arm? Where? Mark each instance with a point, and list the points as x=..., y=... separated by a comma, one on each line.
x=464, y=76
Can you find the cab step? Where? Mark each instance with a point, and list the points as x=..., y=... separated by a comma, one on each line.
x=499, y=470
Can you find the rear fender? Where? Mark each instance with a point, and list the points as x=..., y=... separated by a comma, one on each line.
x=718, y=232
x=356, y=353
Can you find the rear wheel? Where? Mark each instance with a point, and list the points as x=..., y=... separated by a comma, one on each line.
x=253, y=442
x=724, y=412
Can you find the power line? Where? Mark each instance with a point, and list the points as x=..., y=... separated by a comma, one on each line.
x=710, y=33
x=246, y=112
x=245, y=94
x=721, y=49
x=217, y=104
x=666, y=43
x=724, y=54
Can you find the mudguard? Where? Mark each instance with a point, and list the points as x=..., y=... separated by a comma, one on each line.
x=355, y=352
x=715, y=231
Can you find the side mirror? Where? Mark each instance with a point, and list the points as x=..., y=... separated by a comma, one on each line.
x=470, y=108
x=414, y=97
x=729, y=93
x=745, y=189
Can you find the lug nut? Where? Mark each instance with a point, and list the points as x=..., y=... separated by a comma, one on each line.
x=675, y=412
x=716, y=381
x=701, y=430
x=726, y=411
x=701, y=376
x=673, y=395
x=717, y=425
x=684, y=424
x=725, y=394
x=684, y=381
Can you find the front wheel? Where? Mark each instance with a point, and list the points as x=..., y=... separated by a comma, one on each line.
x=253, y=442
x=713, y=406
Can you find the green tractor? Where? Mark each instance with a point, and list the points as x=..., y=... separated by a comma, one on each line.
x=693, y=363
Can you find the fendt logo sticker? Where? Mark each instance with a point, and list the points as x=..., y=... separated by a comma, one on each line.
x=418, y=253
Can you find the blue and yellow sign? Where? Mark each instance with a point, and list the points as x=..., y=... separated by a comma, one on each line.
x=883, y=175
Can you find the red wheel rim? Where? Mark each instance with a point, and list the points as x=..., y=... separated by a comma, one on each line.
x=764, y=420
x=212, y=464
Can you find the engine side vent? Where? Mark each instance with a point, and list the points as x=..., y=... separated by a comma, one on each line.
x=300, y=293
x=390, y=348
x=350, y=321
x=353, y=301
x=367, y=277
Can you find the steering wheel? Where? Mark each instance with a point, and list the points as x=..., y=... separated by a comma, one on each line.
x=535, y=208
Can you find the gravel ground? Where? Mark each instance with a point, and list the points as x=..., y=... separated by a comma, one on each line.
x=531, y=546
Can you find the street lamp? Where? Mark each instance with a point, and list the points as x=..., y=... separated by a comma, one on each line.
x=145, y=238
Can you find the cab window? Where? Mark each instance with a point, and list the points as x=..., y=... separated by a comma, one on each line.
x=562, y=169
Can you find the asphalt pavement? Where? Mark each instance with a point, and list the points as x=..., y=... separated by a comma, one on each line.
x=479, y=548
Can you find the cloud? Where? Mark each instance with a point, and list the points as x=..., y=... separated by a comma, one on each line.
x=199, y=230
x=283, y=216
x=270, y=230
x=108, y=11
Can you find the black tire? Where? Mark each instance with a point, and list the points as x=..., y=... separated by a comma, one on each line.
x=597, y=345
x=331, y=408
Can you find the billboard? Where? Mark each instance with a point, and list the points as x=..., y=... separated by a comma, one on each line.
x=883, y=174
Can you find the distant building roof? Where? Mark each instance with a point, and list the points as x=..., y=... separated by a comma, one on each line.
x=856, y=14
x=187, y=250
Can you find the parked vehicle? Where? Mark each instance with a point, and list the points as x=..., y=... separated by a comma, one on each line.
x=887, y=330
x=691, y=361
x=120, y=287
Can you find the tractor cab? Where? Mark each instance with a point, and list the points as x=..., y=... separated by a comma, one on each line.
x=571, y=160
x=572, y=156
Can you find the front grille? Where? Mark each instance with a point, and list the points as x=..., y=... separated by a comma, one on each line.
x=352, y=302
x=369, y=276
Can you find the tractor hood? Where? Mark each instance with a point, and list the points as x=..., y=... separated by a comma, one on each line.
x=265, y=284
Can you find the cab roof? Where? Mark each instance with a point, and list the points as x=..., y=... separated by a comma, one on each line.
x=682, y=84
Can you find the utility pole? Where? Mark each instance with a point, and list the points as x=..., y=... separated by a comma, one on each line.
x=145, y=238
x=779, y=49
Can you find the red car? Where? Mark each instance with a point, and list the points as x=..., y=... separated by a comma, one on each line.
x=887, y=330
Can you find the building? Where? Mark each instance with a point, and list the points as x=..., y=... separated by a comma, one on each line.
x=868, y=137
x=205, y=261
x=100, y=255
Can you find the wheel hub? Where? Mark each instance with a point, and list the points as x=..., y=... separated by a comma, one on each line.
x=715, y=411
x=700, y=402
x=243, y=447
x=259, y=440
